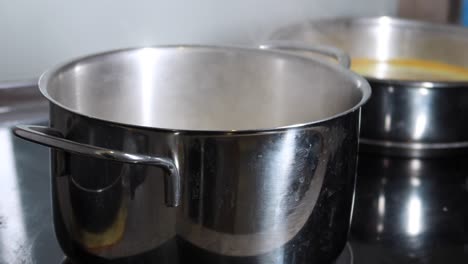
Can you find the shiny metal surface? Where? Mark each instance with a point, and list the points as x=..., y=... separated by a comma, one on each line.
x=341, y=57
x=258, y=198
x=415, y=121
x=410, y=210
x=410, y=118
x=259, y=194
x=204, y=88
x=384, y=38
x=26, y=229
x=52, y=138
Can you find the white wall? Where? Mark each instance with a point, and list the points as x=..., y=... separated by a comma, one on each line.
x=35, y=35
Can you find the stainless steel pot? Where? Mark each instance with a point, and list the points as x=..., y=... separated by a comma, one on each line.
x=410, y=118
x=199, y=154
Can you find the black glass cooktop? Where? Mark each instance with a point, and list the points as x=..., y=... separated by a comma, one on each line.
x=346, y=257
x=411, y=210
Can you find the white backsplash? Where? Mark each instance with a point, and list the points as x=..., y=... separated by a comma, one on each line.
x=35, y=35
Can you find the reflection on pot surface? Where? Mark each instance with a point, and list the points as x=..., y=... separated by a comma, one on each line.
x=410, y=209
x=419, y=77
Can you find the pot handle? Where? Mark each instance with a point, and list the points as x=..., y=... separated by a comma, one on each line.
x=52, y=138
x=342, y=58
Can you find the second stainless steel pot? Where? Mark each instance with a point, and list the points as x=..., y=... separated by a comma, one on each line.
x=410, y=118
x=193, y=154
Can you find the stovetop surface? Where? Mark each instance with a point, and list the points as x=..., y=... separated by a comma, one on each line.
x=411, y=210
x=26, y=231
x=346, y=257
x=406, y=210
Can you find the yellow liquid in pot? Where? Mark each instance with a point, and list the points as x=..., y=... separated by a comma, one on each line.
x=409, y=70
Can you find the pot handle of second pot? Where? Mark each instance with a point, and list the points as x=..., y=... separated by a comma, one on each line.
x=337, y=54
x=52, y=138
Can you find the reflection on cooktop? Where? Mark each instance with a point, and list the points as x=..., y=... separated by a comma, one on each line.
x=26, y=230
x=411, y=210
x=346, y=257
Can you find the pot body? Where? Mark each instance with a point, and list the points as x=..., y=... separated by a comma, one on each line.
x=414, y=120
x=202, y=154
x=270, y=197
x=408, y=118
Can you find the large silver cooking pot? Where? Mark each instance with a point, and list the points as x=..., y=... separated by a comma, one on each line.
x=200, y=154
x=412, y=118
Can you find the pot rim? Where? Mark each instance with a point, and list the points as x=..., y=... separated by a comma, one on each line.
x=360, y=82
x=457, y=30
